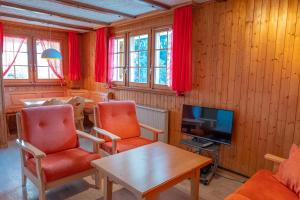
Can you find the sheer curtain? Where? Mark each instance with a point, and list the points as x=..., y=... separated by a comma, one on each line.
x=54, y=65
x=9, y=44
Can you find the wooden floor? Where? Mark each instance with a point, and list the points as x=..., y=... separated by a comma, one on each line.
x=11, y=189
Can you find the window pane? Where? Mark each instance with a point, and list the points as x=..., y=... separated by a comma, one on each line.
x=15, y=54
x=10, y=74
x=118, y=74
x=134, y=60
x=44, y=70
x=134, y=74
x=121, y=60
x=22, y=59
x=160, y=76
x=162, y=58
x=143, y=75
x=143, y=42
x=21, y=72
x=143, y=59
x=121, y=47
x=138, y=59
x=43, y=73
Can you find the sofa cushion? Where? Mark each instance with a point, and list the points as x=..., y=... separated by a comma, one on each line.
x=59, y=165
x=119, y=118
x=126, y=144
x=49, y=128
x=263, y=186
x=289, y=170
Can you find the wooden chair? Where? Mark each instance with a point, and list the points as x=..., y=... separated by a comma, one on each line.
x=116, y=122
x=49, y=146
x=78, y=106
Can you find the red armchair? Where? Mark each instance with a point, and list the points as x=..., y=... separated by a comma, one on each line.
x=116, y=122
x=49, y=146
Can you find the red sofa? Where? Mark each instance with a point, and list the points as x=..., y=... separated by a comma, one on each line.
x=263, y=186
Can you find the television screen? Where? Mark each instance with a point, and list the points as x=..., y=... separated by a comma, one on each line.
x=207, y=123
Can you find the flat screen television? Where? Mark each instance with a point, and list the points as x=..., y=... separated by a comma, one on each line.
x=209, y=124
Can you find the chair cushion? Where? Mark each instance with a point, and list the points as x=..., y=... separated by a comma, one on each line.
x=49, y=128
x=59, y=165
x=263, y=186
x=119, y=118
x=289, y=170
x=126, y=144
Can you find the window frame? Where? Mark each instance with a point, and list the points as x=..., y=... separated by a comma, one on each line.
x=145, y=87
x=153, y=85
x=134, y=84
x=122, y=83
x=30, y=64
x=35, y=68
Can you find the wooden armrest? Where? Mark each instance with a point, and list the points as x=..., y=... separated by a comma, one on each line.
x=89, y=137
x=30, y=148
x=106, y=133
x=274, y=158
x=149, y=128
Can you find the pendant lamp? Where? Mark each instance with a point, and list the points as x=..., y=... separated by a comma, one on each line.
x=51, y=53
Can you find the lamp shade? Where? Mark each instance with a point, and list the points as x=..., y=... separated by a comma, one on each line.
x=51, y=54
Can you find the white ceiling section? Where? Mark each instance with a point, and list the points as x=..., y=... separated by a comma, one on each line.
x=80, y=15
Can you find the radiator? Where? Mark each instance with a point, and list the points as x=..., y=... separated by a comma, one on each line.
x=157, y=118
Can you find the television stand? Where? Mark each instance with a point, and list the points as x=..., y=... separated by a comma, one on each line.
x=213, y=151
x=202, y=143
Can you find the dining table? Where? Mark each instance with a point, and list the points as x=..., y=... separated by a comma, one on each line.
x=33, y=102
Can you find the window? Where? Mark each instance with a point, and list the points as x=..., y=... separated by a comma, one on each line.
x=142, y=59
x=22, y=62
x=118, y=59
x=162, y=57
x=15, y=58
x=138, y=59
x=47, y=69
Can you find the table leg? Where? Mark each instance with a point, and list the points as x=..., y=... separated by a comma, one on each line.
x=107, y=188
x=195, y=185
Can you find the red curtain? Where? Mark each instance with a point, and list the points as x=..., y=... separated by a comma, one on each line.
x=74, y=57
x=182, y=50
x=101, y=57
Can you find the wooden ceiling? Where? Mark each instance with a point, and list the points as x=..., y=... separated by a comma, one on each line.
x=81, y=15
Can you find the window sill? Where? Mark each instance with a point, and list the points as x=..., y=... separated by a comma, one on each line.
x=168, y=92
x=33, y=84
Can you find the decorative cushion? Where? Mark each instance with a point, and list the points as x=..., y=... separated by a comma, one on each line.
x=126, y=144
x=119, y=118
x=59, y=165
x=263, y=186
x=289, y=170
x=49, y=128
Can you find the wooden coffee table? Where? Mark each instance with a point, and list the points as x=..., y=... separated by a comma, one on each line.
x=146, y=171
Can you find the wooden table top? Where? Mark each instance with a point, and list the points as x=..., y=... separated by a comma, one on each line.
x=39, y=101
x=144, y=168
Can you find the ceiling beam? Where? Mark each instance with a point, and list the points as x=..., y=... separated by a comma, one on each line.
x=157, y=4
x=40, y=10
x=17, y=16
x=93, y=8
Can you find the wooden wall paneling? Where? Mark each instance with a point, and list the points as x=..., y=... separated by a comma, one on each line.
x=286, y=74
x=276, y=79
x=267, y=86
x=293, y=93
x=252, y=78
x=262, y=50
x=296, y=138
x=246, y=58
